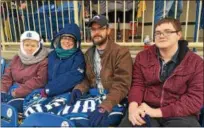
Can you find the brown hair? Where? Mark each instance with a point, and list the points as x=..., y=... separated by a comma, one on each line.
x=176, y=23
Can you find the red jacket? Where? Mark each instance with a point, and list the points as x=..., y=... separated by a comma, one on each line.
x=180, y=95
x=27, y=77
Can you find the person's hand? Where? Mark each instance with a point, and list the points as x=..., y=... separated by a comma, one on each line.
x=152, y=112
x=13, y=93
x=76, y=93
x=99, y=118
x=136, y=114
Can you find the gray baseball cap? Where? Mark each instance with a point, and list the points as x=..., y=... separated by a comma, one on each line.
x=99, y=19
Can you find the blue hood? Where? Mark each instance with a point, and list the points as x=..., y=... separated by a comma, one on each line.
x=72, y=29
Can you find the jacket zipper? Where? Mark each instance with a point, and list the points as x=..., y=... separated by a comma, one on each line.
x=162, y=95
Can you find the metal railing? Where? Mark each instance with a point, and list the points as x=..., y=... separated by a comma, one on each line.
x=48, y=17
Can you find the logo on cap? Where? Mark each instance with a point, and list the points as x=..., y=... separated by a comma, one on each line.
x=96, y=17
x=29, y=34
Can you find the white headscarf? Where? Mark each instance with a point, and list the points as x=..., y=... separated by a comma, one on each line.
x=32, y=35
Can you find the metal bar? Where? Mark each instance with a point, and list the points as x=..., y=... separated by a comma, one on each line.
x=62, y=13
x=107, y=9
x=124, y=22
x=69, y=11
x=90, y=8
x=84, y=28
x=27, y=15
x=39, y=25
x=23, y=17
x=143, y=23
x=13, y=22
x=98, y=6
x=164, y=12
x=134, y=44
x=115, y=22
x=45, y=24
x=56, y=16
x=176, y=8
x=199, y=16
x=33, y=15
x=186, y=26
x=133, y=22
x=50, y=18
x=4, y=17
x=153, y=13
x=19, y=28
x=76, y=12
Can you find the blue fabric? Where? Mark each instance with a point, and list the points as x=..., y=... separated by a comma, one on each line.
x=147, y=120
x=12, y=88
x=64, y=74
x=79, y=112
x=98, y=119
x=72, y=29
x=5, y=97
x=170, y=9
x=76, y=93
x=48, y=105
x=32, y=98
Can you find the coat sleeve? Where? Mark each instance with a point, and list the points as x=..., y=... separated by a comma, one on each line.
x=35, y=82
x=137, y=90
x=85, y=84
x=66, y=82
x=121, y=81
x=7, y=79
x=191, y=102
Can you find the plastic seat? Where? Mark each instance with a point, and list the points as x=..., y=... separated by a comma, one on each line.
x=9, y=116
x=3, y=66
x=46, y=120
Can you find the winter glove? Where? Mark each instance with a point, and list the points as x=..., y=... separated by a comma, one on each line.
x=99, y=118
x=5, y=97
x=76, y=93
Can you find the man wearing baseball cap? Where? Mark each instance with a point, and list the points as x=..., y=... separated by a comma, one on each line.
x=108, y=74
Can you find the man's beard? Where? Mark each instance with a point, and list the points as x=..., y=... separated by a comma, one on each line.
x=101, y=42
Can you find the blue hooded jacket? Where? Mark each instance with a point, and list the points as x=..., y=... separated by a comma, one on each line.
x=64, y=74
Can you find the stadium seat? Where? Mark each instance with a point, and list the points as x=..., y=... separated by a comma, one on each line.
x=9, y=116
x=46, y=120
x=3, y=66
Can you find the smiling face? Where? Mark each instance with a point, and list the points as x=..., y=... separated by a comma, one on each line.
x=30, y=46
x=99, y=35
x=67, y=42
x=166, y=36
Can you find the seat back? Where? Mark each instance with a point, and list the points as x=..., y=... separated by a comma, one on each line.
x=9, y=116
x=46, y=120
x=3, y=66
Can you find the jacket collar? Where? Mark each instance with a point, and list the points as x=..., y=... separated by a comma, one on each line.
x=183, y=49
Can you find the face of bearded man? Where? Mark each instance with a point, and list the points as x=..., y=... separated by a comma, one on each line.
x=99, y=35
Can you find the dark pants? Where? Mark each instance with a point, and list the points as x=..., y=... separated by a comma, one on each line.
x=188, y=121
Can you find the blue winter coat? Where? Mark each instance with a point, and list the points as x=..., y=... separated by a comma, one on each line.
x=64, y=74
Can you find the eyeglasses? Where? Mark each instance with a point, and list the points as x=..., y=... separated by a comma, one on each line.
x=67, y=38
x=165, y=33
x=98, y=29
